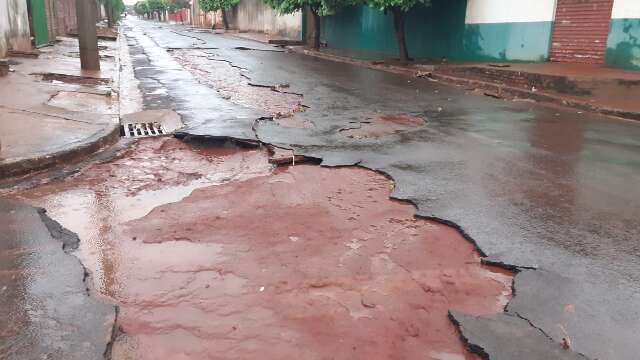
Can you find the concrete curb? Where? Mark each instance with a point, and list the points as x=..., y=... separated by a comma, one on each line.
x=105, y=137
x=539, y=96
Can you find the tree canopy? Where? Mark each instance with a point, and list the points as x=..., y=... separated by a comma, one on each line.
x=402, y=5
x=222, y=5
x=141, y=8
x=318, y=8
x=174, y=5
x=156, y=5
x=114, y=9
x=215, y=5
x=321, y=7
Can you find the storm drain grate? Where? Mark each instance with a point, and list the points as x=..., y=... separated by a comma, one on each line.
x=141, y=129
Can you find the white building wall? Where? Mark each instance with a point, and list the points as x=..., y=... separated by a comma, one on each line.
x=255, y=15
x=506, y=11
x=626, y=9
x=14, y=26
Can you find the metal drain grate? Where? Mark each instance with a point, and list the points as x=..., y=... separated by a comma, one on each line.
x=142, y=129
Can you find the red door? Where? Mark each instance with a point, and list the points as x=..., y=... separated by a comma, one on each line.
x=580, y=31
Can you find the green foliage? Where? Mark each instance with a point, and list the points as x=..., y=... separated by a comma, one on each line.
x=156, y=5
x=214, y=5
x=114, y=9
x=141, y=8
x=174, y=5
x=403, y=5
x=320, y=7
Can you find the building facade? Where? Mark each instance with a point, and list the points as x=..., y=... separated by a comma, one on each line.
x=255, y=15
x=574, y=31
x=14, y=26
x=252, y=16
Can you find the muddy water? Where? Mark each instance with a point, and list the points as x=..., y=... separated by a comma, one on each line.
x=211, y=253
x=152, y=173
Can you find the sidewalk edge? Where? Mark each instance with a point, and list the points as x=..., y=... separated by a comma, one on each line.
x=101, y=139
x=539, y=96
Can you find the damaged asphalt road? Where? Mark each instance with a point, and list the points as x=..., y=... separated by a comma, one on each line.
x=46, y=310
x=532, y=186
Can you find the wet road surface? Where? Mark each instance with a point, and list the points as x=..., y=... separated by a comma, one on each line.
x=46, y=312
x=204, y=245
x=212, y=252
x=532, y=186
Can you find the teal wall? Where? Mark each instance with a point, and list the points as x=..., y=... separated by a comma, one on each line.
x=517, y=41
x=431, y=32
x=436, y=32
x=623, y=45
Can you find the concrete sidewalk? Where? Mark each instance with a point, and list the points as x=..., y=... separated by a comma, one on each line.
x=592, y=87
x=52, y=112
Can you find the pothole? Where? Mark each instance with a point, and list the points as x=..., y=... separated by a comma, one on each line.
x=381, y=126
x=203, y=248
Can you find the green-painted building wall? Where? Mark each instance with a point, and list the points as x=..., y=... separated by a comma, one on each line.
x=623, y=44
x=511, y=41
x=39, y=21
x=433, y=32
x=439, y=32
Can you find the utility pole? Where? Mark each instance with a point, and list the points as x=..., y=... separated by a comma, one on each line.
x=87, y=36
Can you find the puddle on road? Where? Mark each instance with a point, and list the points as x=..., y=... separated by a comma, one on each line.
x=211, y=253
x=382, y=125
x=154, y=172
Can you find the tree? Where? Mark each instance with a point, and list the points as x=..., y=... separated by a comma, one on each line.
x=175, y=5
x=318, y=9
x=222, y=5
x=399, y=9
x=114, y=9
x=156, y=6
x=141, y=8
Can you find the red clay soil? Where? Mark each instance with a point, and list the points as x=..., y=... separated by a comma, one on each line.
x=304, y=262
x=307, y=263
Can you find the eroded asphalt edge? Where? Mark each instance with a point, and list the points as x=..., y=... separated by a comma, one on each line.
x=475, y=331
x=50, y=302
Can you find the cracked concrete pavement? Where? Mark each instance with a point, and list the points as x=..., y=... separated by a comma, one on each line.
x=533, y=186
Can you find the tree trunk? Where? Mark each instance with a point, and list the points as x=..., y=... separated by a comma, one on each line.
x=315, y=42
x=225, y=22
x=109, y=11
x=398, y=26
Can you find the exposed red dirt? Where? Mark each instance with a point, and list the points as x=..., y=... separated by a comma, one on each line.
x=305, y=262
x=311, y=263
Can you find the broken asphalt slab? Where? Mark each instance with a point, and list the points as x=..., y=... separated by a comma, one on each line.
x=508, y=337
x=47, y=312
x=166, y=85
x=532, y=186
